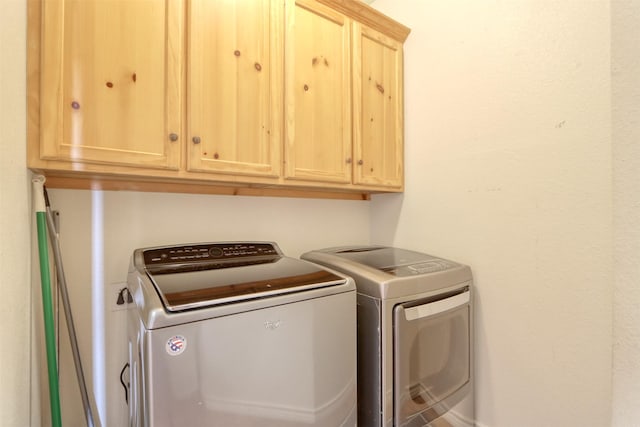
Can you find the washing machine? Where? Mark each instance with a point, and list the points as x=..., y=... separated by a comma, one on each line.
x=415, y=335
x=237, y=334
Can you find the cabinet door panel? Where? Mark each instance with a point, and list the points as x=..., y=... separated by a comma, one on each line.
x=318, y=93
x=378, y=135
x=235, y=86
x=111, y=81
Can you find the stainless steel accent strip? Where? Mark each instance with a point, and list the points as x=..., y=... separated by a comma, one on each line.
x=436, y=307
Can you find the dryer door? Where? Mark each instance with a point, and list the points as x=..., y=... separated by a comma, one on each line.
x=432, y=358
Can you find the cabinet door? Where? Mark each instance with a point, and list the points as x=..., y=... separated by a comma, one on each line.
x=235, y=86
x=110, y=82
x=378, y=114
x=318, y=94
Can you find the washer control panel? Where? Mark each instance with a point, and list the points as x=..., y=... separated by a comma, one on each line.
x=208, y=252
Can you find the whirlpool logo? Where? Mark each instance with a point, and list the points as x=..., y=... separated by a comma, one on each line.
x=272, y=324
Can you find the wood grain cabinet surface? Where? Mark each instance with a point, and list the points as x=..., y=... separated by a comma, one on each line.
x=318, y=94
x=262, y=97
x=110, y=82
x=234, y=80
x=378, y=109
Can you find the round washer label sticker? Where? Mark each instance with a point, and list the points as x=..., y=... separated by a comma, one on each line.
x=176, y=345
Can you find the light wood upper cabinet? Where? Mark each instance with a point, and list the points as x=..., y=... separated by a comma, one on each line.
x=318, y=93
x=344, y=95
x=378, y=114
x=110, y=82
x=268, y=97
x=235, y=85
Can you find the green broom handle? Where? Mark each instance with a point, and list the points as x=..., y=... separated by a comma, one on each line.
x=47, y=302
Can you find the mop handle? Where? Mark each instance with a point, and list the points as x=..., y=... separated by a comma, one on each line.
x=87, y=402
x=47, y=302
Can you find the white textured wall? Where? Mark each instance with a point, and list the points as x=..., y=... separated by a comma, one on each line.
x=14, y=220
x=625, y=33
x=100, y=230
x=508, y=156
x=508, y=162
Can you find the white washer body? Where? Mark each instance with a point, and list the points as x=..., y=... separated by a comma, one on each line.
x=282, y=352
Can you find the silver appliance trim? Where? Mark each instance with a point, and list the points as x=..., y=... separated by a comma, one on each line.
x=237, y=298
x=436, y=307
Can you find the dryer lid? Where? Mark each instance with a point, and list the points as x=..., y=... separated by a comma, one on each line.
x=394, y=261
x=194, y=276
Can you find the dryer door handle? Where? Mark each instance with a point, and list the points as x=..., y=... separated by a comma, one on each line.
x=436, y=307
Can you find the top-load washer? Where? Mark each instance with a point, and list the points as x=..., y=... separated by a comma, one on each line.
x=237, y=334
x=415, y=335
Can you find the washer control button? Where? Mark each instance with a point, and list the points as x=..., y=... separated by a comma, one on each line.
x=215, y=252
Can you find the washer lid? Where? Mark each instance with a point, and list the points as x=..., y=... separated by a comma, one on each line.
x=195, y=276
x=394, y=261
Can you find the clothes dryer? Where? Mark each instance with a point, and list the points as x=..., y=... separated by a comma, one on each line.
x=415, y=335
